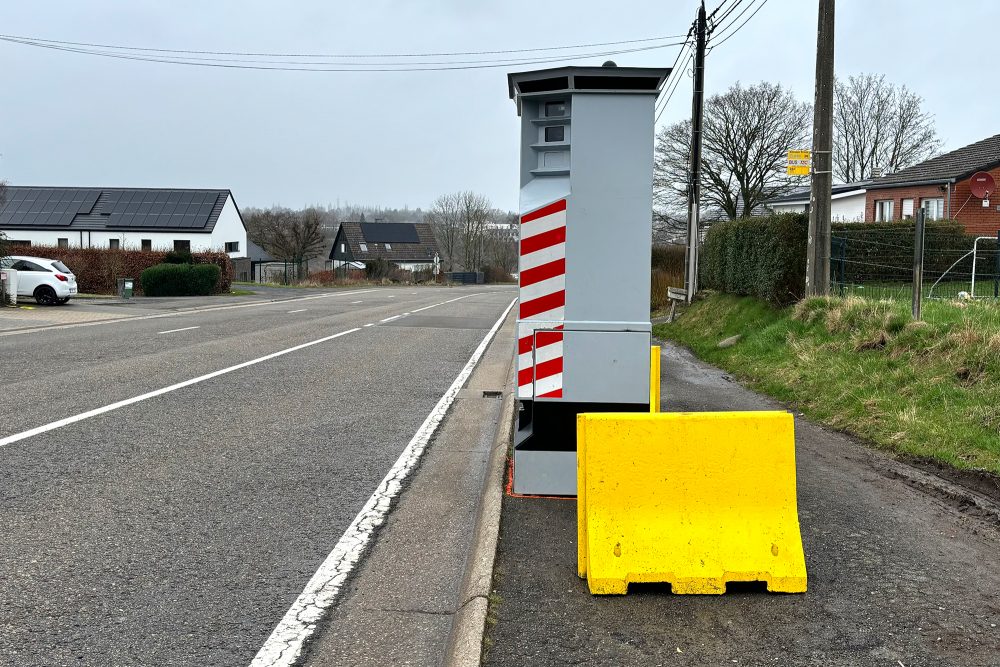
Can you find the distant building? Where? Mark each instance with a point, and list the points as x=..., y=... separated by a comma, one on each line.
x=847, y=205
x=942, y=187
x=126, y=218
x=408, y=245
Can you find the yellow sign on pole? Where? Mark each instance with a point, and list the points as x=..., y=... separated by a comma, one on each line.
x=798, y=163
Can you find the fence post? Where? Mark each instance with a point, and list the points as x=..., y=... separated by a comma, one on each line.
x=996, y=270
x=918, y=263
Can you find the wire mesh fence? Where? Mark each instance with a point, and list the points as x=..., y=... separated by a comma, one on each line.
x=876, y=261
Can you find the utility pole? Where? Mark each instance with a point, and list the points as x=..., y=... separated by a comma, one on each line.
x=694, y=187
x=818, y=253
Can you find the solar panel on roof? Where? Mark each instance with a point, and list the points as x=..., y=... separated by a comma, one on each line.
x=89, y=199
x=389, y=232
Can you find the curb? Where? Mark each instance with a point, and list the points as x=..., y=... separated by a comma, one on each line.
x=465, y=642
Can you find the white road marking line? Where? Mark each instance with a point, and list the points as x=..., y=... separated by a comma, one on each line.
x=389, y=319
x=300, y=310
x=176, y=330
x=355, y=302
x=370, y=324
x=283, y=647
x=183, y=312
x=152, y=394
x=391, y=296
x=444, y=302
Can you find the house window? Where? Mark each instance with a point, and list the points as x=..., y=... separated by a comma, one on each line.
x=555, y=133
x=114, y=244
x=364, y=247
x=933, y=208
x=343, y=248
x=17, y=242
x=555, y=109
x=232, y=246
x=182, y=246
x=388, y=247
x=63, y=243
x=147, y=245
x=883, y=210
x=907, y=209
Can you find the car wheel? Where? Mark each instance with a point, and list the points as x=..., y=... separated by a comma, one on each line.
x=46, y=296
x=63, y=301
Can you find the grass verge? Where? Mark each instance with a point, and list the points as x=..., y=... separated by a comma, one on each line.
x=928, y=389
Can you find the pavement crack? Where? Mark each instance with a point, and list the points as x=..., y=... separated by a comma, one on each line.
x=413, y=611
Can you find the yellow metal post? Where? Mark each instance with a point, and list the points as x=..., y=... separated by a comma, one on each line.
x=654, y=378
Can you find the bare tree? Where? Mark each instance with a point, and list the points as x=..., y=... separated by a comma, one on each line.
x=445, y=218
x=747, y=134
x=288, y=235
x=878, y=125
x=671, y=169
x=477, y=212
x=501, y=241
x=460, y=221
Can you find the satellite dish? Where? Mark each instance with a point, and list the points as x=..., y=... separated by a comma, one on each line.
x=982, y=184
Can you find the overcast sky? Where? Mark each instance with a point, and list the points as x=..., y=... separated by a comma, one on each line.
x=403, y=138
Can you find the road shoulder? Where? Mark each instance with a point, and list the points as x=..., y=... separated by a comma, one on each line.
x=404, y=598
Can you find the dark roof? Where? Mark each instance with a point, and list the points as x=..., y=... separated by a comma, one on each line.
x=139, y=209
x=950, y=167
x=803, y=193
x=408, y=241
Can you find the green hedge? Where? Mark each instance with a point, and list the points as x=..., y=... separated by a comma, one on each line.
x=883, y=251
x=763, y=257
x=179, y=279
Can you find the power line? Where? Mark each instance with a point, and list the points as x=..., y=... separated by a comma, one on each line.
x=722, y=19
x=754, y=13
x=351, y=67
x=665, y=96
x=333, y=55
x=676, y=83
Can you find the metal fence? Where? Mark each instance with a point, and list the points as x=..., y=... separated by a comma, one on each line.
x=879, y=263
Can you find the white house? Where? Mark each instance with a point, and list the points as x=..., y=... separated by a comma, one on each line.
x=126, y=218
x=847, y=205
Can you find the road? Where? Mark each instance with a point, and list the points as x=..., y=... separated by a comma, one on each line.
x=179, y=528
x=897, y=576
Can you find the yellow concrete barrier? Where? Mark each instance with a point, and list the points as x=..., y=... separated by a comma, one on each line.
x=693, y=499
x=654, y=378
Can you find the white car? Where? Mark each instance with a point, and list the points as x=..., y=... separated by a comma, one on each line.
x=48, y=281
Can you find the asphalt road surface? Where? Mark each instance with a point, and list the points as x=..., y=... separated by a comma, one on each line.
x=898, y=577
x=178, y=529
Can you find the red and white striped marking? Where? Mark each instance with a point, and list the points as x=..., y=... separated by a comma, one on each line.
x=542, y=299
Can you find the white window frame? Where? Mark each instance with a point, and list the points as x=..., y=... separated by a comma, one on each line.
x=363, y=246
x=880, y=210
x=937, y=204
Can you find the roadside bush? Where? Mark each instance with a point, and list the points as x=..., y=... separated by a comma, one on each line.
x=763, y=257
x=494, y=274
x=669, y=258
x=883, y=251
x=97, y=269
x=178, y=257
x=179, y=279
x=377, y=269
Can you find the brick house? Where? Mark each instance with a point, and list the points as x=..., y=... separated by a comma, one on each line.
x=942, y=187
